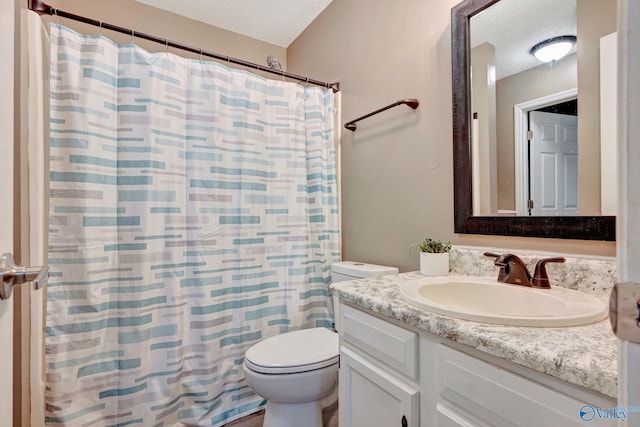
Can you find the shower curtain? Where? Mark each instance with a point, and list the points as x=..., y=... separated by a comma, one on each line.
x=193, y=212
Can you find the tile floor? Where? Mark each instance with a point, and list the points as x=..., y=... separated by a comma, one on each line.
x=253, y=420
x=329, y=418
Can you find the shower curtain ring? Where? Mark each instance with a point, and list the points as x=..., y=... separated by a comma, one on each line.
x=200, y=56
x=100, y=28
x=132, y=34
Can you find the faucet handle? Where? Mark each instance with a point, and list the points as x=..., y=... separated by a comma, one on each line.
x=501, y=259
x=491, y=255
x=540, y=277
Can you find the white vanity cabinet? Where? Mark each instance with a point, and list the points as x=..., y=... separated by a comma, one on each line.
x=392, y=375
x=378, y=372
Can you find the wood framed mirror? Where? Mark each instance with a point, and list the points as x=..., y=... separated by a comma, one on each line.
x=594, y=227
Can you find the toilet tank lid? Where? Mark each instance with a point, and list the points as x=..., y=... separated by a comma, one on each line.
x=361, y=269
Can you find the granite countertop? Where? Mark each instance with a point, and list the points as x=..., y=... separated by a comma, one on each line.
x=581, y=355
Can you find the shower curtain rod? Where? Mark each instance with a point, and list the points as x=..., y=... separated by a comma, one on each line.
x=43, y=8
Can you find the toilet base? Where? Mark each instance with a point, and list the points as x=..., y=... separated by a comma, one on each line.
x=293, y=414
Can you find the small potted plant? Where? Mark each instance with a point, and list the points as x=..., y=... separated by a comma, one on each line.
x=434, y=257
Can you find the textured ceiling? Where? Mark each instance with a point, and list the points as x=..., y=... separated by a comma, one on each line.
x=512, y=26
x=277, y=22
x=515, y=26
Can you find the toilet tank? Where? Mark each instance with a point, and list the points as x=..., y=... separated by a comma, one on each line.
x=351, y=270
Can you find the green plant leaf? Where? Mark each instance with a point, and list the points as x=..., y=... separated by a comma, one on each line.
x=434, y=246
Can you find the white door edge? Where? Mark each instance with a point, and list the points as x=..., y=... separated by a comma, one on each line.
x=7, y=34
x=628, y=219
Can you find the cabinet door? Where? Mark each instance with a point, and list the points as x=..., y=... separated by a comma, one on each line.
x=503, y=399
x=371, y=397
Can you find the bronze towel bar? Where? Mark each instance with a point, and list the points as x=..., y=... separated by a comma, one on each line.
x=411, y=102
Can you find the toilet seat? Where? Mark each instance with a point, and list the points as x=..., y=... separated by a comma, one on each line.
x=293, y=352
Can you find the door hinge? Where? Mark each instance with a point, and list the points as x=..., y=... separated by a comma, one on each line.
x=530, y=135
x=530, y=204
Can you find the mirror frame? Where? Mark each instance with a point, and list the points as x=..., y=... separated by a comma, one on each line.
x=563, y=227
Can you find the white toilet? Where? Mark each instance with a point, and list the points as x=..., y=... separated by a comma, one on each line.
x=297, y=372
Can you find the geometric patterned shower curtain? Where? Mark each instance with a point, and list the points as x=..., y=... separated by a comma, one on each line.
x=193, y=212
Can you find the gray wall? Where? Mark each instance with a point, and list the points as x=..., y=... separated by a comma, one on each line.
x=595, y=18
x=397, y=168
x=397, y=172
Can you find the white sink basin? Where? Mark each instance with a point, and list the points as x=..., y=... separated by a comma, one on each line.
x=485, y=300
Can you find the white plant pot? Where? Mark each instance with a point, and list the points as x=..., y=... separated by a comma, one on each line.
x=434, y=264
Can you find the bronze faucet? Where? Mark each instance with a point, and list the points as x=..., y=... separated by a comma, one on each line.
x=513, y=270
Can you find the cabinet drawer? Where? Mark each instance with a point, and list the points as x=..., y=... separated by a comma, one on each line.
x=392, y=345
x=500, y=397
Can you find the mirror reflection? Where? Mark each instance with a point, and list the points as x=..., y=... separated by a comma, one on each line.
x=543, y=133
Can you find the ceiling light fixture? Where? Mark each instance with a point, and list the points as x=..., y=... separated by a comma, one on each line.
x=554, y=48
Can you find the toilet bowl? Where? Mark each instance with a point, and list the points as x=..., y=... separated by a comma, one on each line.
x=297, y=372
x=294, y=372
